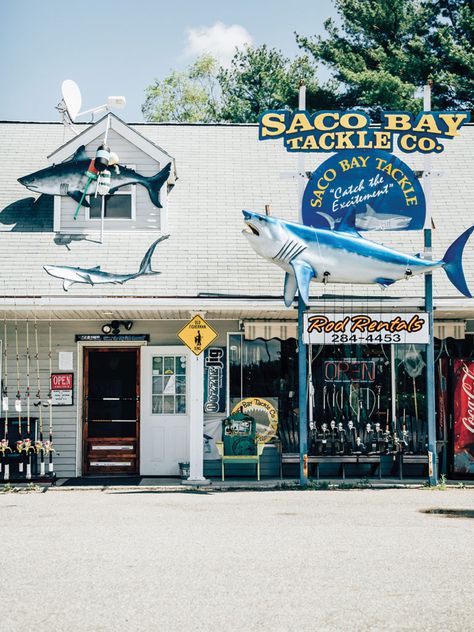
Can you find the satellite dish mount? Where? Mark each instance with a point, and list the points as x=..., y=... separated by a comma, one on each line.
x=70, y=104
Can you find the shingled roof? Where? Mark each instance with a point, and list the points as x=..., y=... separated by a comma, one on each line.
x=222, y=170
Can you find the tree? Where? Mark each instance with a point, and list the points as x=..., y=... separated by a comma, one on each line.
x=188, y=96
x=452, y=42
x=385, y=49
x=260, y=78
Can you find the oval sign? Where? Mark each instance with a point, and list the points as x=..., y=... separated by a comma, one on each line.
x=264, y=413
x=384, y=191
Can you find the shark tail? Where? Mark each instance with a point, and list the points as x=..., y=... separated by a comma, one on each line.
x=452, y=262
x=155, y=183
x=145, y=265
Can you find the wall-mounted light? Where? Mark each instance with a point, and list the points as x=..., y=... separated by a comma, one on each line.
x=114, y=326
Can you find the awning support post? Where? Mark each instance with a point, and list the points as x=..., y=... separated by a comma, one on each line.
x=302, y=396
x=430, y=373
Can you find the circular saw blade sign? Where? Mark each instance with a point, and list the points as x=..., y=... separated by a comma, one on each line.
x=197, y=335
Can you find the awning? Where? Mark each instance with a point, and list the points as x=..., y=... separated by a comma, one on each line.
x=289, y=329
x=270, y=329
x=443, y=329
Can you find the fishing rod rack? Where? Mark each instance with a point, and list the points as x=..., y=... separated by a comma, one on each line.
x=26, y=446
x=14, y=460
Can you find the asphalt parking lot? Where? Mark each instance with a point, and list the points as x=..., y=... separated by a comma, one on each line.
x=138, y=559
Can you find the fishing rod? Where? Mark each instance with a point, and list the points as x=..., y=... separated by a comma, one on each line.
x=27, y=443
x=39, y=445
x=4, y=447
x=19, y=443
x=48, y=447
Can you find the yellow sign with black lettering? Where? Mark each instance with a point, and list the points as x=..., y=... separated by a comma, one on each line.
x=197, y=335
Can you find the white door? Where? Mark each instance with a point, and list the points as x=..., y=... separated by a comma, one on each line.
x=164, y=420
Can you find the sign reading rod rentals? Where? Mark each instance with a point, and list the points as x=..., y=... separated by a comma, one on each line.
x=366, y=328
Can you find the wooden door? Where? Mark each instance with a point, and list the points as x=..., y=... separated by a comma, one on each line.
x=111, y=410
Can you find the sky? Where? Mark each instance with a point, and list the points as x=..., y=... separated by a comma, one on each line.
x=118, y=47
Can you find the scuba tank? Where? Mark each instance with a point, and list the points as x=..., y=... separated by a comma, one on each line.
x=102, y=157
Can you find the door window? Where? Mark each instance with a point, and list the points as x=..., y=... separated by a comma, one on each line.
x=169, y=385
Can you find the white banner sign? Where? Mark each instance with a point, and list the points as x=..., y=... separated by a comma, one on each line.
x=366, y=328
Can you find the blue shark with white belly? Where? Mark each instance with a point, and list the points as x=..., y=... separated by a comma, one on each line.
x=341, y=255
x=95, y=276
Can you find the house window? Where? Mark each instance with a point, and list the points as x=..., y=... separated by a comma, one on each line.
x=119, y=206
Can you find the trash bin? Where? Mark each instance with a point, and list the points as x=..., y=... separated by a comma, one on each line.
x=184, y=470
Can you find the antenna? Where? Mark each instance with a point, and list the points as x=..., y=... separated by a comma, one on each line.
x=71, y=102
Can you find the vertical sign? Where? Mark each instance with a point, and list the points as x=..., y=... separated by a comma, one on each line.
x=464, y=417
x=214, y=380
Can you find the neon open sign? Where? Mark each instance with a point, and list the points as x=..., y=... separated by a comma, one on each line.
x=349, y=371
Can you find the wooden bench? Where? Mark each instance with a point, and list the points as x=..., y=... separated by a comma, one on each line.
x=416, y=459
x=374, y=460
x=371, y=459
x=242, y=458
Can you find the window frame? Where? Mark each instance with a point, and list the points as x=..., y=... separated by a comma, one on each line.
x=133, y=204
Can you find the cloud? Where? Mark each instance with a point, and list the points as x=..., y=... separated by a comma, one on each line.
x=219, y=40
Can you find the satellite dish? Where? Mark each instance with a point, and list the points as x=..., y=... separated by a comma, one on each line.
x=72, y=98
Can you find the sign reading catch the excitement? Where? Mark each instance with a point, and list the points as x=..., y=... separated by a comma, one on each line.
x=383, y=191
x=366, y=328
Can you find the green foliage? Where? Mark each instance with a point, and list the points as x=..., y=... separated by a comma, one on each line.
x=260, y=78
x=382, y=51
x=187, y=96
x=385, y=49
x=452, y=43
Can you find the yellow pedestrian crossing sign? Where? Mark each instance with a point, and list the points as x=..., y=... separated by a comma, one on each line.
x=197, y=334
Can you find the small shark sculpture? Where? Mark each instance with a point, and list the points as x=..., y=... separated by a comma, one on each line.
x=341, y=255
x=95, y=276
x=70, y=178
x=371, y=220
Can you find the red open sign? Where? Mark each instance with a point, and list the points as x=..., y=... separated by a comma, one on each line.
x=61, y=381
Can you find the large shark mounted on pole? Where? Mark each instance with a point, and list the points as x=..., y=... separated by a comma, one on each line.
x=341, y=255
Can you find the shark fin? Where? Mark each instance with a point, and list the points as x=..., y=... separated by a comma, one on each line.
x=80, y=154
x=303, y=273
x=331, y=222
x=290, y=288
x=145, y=265
x=155, y=183
x=67, y=284
x=347, y=224
x=77, y=196
x=452, y=262
x=95, y=269
x=384, y=282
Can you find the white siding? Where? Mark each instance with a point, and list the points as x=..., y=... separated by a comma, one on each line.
x=65, y=426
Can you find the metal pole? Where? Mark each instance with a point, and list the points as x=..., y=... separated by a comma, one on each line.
x=302, y=369
x=430, y=372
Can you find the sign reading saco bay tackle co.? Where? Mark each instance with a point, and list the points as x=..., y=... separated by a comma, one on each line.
x=366, y=328
x=337, y=131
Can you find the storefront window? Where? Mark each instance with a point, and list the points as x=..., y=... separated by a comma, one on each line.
x=267, y=369
x=351, y=383
x=411, y=404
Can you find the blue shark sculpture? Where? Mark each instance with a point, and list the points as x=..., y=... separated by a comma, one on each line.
x=95, y=276
x=341, y=255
